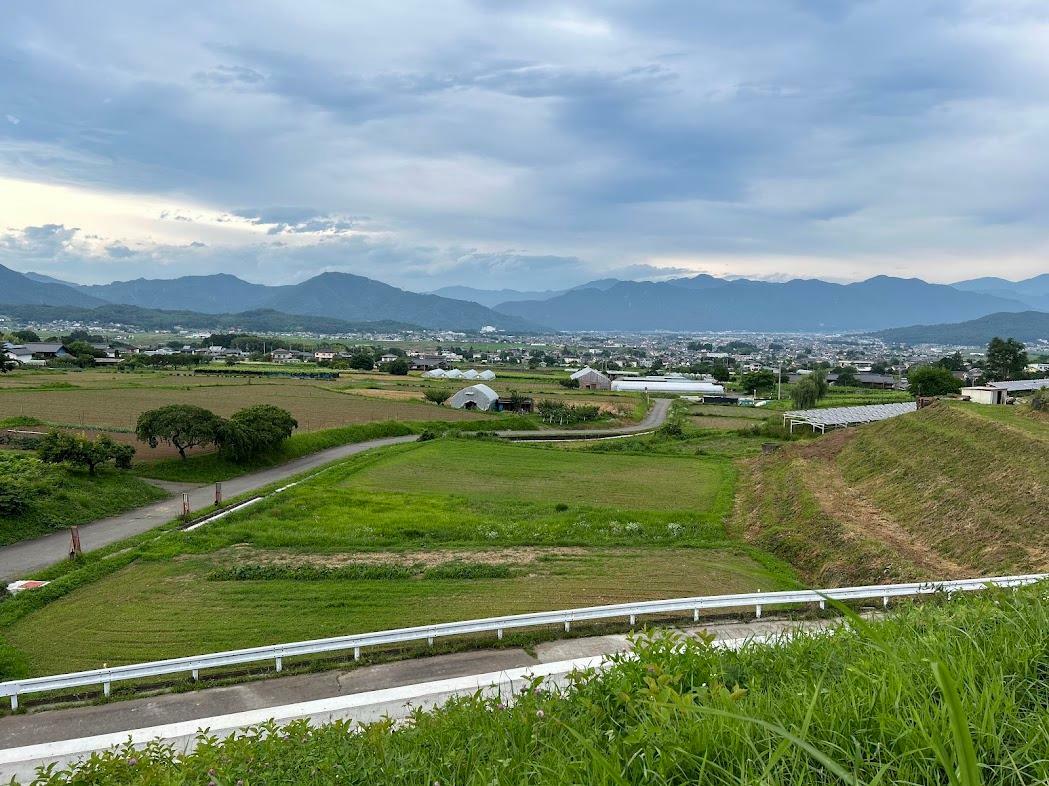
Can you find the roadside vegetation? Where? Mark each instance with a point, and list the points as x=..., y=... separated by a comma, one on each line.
x=904, y=700
x=37, y=498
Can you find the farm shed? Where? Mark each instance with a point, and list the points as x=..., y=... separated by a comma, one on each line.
x=592, y=379
x=478, y=396
x=985, y=394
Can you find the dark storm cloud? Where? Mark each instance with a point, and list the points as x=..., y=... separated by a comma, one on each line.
x=560, y=140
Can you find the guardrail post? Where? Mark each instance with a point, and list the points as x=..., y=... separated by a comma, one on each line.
x=823, y=604
x=568, y=626
x=196, y=675
x=695, y=615
x=14, y=701
x=280, y=663
x=356, y=653
x=885, y=601
x=105, y=689
x=757, y=611
x=631, y=620
x=499, y=633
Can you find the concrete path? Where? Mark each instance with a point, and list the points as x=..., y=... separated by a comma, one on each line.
x=653, y=420
x=43, y=726
x=20, y=560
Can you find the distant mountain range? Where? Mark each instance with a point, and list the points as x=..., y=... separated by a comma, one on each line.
x=493, y=297
x=694, y=303
x=261, y=320
x=339, y=295
x=1023, y=326
x=707, y=303
x=1034, y=292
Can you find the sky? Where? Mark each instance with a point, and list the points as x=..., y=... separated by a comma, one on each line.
x=527, y=144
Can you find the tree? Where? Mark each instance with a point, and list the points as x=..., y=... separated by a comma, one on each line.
x=255, y=430
x=805, y=393
x=952, y=362
x=1006, y=359
x=182, y=425
x=657, y=365
x=362, y=360
x=847, y=377
x=60, y=448
x=932, y=381
x=758, y=380
x=437, y=395
x=819, y=377
x=8, y=364
x=398, y=367
x=720, y=373
x=26, y=335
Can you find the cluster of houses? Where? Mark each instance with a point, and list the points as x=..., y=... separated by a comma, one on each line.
x=37, y=353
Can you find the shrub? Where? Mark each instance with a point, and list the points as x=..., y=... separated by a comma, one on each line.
x=568, y=383
x=560, y=507
x=15, y=496
x=60, y=448
x=1040, y=400
x=565, y=414
x=437, y=395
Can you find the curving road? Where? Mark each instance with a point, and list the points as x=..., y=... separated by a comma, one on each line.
x=20, y=560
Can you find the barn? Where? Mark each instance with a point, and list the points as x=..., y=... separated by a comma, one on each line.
x=478, y=396
x=591, y=379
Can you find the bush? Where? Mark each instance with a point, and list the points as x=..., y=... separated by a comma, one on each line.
x=60, y=448
x=561, y=507
x=15, y=496
x=565, y=414
x=1040, y=400
x=437, y=395
x=568, y=383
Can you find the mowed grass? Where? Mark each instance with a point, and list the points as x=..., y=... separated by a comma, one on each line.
x=566, y=529
x=156, y=610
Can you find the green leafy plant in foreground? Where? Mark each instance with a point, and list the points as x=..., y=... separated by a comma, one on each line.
x=950, y=692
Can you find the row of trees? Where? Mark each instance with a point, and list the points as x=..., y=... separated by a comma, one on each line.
x=244, y=434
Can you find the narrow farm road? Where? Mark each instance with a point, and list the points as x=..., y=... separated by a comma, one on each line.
x=20, y=560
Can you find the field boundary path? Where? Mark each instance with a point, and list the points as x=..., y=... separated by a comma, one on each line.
x=20, y=560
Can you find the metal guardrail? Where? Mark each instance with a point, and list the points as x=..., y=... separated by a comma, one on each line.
x=277, y=652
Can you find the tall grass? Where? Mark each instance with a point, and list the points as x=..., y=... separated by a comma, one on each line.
x=951, y=692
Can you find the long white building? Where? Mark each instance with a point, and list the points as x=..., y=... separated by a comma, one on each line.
x=668, y=384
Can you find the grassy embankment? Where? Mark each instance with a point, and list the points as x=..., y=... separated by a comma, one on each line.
x=442, y=530
x=951, y=490
x=58, y=497
x=945, y=693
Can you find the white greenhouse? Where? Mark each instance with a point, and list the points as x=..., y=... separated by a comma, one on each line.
x=477, y=396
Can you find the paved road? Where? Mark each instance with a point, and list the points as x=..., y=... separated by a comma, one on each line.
x=653, y=420
x=18, y=561
x=21, y=559
x=64, y=724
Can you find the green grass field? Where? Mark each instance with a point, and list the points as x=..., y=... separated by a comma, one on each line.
x=507, y=528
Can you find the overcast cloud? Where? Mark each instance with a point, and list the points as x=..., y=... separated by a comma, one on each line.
x=528, y=144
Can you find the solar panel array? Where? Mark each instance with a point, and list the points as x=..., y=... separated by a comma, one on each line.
x=1021, y=385
x=845, y=416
